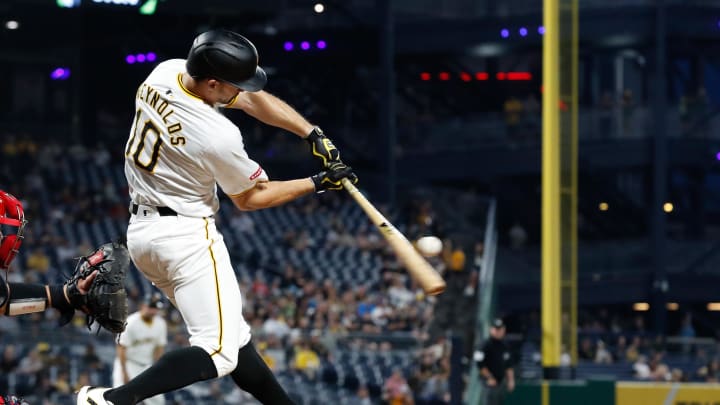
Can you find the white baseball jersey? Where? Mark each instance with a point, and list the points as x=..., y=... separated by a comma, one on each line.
x=140, y=338
x=180, y=147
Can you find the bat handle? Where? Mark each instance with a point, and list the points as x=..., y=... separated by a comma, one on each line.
x=349, y=186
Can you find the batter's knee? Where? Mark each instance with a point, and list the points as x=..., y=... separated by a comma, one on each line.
x=224, y=358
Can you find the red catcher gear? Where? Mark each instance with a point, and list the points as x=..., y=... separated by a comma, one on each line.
x=11, y=214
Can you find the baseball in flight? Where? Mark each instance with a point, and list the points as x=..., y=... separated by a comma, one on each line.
x=429, y=246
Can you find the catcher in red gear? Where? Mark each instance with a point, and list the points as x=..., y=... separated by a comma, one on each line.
x=96, y=287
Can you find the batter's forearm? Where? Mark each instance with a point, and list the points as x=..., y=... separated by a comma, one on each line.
x=273, y=111
x=273, y=193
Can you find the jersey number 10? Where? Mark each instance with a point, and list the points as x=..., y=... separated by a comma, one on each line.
x=148, y=141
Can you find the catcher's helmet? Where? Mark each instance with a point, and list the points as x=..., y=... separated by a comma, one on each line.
x=11, y=215
x=228, y=57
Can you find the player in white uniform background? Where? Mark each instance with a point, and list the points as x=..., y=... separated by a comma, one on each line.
x=180, y=149
x=142, y=344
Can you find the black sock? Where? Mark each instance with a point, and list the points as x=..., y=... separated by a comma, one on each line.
x=175, y=369
x=254, y=376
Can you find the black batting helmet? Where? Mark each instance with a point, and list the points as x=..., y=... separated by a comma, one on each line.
x=228, y=57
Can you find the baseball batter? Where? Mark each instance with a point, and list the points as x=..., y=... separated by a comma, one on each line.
x=180, y=149
x=142, y=343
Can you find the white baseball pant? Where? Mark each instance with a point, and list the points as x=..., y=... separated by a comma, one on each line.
x=187, y=259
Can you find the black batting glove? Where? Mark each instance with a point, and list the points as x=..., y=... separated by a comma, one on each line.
x=331, y=179
x=323, y=148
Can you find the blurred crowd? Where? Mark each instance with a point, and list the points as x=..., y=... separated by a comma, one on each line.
x=622, y=341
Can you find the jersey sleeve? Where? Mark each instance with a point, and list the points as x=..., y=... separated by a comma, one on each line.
x=233, y=169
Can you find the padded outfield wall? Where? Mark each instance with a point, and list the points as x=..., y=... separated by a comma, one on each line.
x=609, y=392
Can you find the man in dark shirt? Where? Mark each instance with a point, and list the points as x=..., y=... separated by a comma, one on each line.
x=495, y=364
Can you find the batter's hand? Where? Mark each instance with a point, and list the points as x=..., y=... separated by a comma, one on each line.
x=323, y=148
x=331, y=179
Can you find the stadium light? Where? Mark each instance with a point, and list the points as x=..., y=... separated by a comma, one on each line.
x=641, y=306
x=68, y=3
x=668, y=207
x=149, y=7
x=713, y=306
x=12, y=24
x=60, y=73
x=603, y=206
x=319, y=8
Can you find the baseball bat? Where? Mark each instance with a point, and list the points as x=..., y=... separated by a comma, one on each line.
x=419, y=268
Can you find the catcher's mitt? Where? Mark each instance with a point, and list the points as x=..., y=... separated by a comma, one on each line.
x=106, y=301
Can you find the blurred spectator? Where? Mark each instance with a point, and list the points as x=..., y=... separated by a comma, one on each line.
x=363, y=396
x=565, y=357
x=306, y=360
x=641, y=369
x=602, y=354
x=61, y=383
x=677, y=375
x=586, y=351
x=260, y=287
x=275, y=325
x=633, y=351
x=710, y=372
x=38, y=260
x=396, y=390
x=478, y=255
x=518, y=235
x=83, y=379
x=513, y=114
x=31, y=364
x=686, y=329
x=90, y=359
x=454, y=256
x=9, y=361
x=620, y=349
x=65, y=252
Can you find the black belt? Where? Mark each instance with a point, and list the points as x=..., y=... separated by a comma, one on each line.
x=162, y=211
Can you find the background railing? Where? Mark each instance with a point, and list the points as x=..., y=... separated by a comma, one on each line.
x=486, y=302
